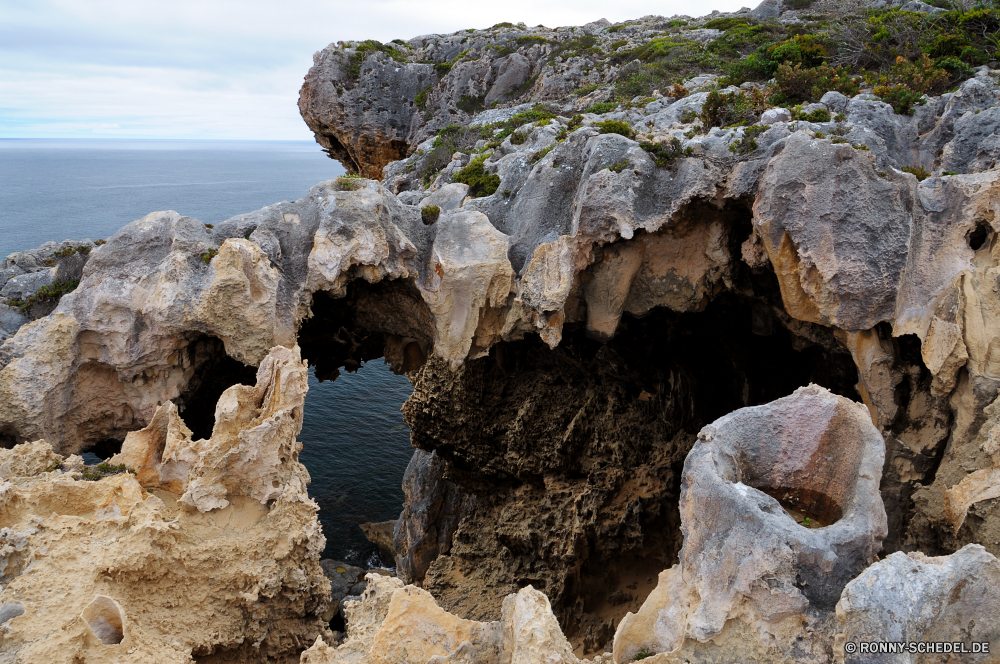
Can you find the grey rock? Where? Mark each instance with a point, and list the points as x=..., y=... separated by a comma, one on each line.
x=24, y=286
x=768, y=9
x=513, y=73
x=343, y=577
x=447, y=197
x=914, y=598
x=773, y=115
x=10, y=610
x=746, y=559
x=835, y=101
x=11, y=319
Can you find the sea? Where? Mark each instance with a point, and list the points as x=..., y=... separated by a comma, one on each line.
x=354, y=441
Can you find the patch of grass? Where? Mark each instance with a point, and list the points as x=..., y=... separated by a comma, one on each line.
x=643, y=654
x=584, y=45
x=69, y=251
x=667, y=151
x=211, y=253
x=102, y=470
x=518, y=138
x=818, y=115
x=480, y=182
x=615, y=127
x=586, y=90
x=727, y=22
x=619, y=167
x=50, y=294
x=363, y=50
x=98, y=243
x=917, y=171
x=748, y=141
x=430, y=214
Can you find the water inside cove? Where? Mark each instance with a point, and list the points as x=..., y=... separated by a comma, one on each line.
x=355, y=444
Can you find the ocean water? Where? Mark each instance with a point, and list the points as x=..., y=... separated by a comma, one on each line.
x=355, y=443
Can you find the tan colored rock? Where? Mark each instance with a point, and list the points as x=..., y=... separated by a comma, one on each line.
x=252, y=451
x=124, y=570
x=27, y=460
x=396, y=624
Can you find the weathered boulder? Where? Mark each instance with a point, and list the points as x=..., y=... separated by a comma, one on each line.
x=749, y=565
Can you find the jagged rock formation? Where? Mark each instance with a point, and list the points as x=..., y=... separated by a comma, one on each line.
x=143, y=568
x=569, y=328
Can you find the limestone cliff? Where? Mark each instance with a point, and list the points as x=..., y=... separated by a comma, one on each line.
x=595, y=306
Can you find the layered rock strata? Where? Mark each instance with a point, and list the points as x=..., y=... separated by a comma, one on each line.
x=210, y=550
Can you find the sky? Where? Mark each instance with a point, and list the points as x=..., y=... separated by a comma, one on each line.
x=221, y=69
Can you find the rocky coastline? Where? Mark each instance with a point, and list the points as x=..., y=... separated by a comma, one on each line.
x=698, y=376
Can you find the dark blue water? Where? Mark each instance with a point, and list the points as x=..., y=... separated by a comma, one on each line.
x=355, y=443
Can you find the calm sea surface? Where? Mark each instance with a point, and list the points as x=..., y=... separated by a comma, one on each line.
x=355, y=443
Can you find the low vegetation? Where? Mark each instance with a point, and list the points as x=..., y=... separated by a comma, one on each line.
x=480, y=182
x=50, y=294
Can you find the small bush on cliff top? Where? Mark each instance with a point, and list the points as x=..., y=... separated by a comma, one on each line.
x=104, y=469
x=363, y=50
x=480, y=182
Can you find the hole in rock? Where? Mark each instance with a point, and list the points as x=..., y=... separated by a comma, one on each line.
x=9, y=437
x=105, y=620
x=215, y=373
x=355, y=443
x=979, y=235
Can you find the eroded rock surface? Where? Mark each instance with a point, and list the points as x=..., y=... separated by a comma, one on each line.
x=124, y=569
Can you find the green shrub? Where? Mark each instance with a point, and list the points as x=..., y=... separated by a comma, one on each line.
x=421, y=99
x=50, y=294
x=727, y=22
x=905, y=84
x=795, y=84
x=104, y=469
x=615, y=127
x=602, y=107
x=430, y=214
x=799, y=4
x=732, y=108
x=619, y=167
x=748, y=141
x=538, y=156
x=480, y=182
x=210, y=254
x=518, y=137
x=98, y=243
x=818, y=115
x=470, y=104
x=586, y=90
x=363, y=50
x=348, y=182
x=917, y=171
x=667, y=151
x=442, y=68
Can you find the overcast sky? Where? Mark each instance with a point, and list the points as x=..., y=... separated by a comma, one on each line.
x=221, y=69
